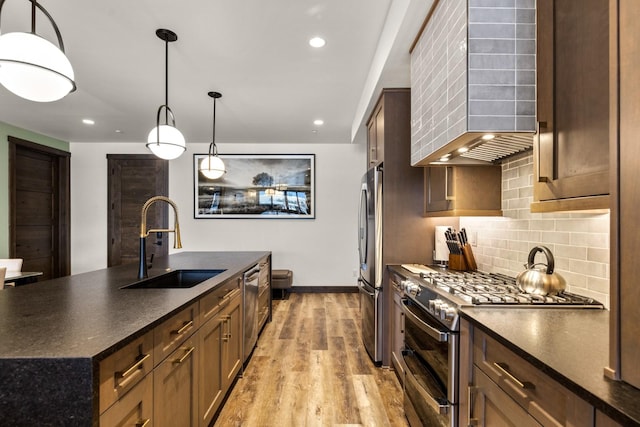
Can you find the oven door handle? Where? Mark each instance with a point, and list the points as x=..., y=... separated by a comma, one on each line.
x=439, y=407
x=434, y=333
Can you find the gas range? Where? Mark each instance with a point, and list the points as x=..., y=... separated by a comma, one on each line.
x=442, y=292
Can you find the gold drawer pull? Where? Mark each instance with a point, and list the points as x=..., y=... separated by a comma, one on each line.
x=183, y=358
x=182, y=330
x=143, y=423
x=504, y=368
x=137, y=365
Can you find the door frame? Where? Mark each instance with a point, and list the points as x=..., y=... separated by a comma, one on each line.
x=62, y=191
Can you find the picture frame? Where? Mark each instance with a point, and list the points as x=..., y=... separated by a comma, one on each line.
x=258, y=186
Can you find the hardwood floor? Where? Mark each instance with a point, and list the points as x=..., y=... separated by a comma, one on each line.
x=311, y=369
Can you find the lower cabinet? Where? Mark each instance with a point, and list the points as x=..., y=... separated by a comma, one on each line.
x=232, y=337
x=133, y=409
x=175, y=391
x=504, y=389
x=220, y=342
x=264, y=292
x=397, y=329
x=493, y=407
x=177, y=374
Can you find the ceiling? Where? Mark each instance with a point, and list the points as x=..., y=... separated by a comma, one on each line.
x=254, y=52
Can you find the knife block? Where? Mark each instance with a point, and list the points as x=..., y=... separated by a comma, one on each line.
x=457, y=262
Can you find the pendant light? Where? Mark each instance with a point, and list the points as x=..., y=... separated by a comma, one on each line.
x=34, y=68
x=212, y=166
x=166, y=141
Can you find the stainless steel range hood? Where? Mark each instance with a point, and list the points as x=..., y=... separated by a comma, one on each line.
x=480, y=148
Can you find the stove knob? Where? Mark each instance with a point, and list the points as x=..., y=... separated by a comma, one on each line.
x=412, y=288
x=443, y=311
x=432, y=305
x=437, y=304
x=451, y=314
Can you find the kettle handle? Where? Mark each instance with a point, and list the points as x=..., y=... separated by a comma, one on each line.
x=547, y=253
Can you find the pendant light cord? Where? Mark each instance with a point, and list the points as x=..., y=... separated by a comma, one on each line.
x=33, y=16
x=166, y=81
x=212, y=148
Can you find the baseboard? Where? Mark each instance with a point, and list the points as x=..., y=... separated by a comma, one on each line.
x=323, y=289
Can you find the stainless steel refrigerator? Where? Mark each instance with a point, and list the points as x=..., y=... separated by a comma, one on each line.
x=370, y=278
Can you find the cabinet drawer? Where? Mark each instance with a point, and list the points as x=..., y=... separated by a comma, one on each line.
x=125, y=368
x=170, y=334
x=134, y=408
x=492, y=406
x=212, y=303
x=544, y=398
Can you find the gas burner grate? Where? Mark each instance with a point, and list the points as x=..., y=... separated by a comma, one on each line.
x=479, y=288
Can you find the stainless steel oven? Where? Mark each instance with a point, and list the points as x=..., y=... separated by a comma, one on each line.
x=432, y=341
x=430, y=357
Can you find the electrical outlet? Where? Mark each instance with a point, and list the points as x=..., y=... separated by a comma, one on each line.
x=473, y=238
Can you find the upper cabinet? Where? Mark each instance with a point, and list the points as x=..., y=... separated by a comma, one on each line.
x=375, y=136
x=571, y=148
x=463, y=191
x=473, y=74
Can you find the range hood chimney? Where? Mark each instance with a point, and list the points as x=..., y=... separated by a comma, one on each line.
x=473, y=89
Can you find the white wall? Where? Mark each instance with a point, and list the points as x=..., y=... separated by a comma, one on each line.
x=321, y=252
x=578, y=241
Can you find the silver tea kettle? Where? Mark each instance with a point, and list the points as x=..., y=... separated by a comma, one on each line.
x=539, y=279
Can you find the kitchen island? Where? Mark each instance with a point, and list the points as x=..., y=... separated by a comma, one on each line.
x=567, y=345
x=55, y=334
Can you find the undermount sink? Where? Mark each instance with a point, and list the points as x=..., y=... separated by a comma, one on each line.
x=175, y=279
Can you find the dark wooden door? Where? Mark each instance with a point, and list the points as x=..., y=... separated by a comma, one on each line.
x=39, y=208
x=133, y=179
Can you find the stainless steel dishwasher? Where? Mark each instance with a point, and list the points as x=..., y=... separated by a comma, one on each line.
x=250, y=304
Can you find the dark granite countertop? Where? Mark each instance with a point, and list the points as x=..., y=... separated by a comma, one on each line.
x=88, y=315
x=570, y=346
x=54, y=333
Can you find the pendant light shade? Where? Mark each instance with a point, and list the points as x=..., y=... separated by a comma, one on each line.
x=31, y=66
x=212, y=166
x=165, y=140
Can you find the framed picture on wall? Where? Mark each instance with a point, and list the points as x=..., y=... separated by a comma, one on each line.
x=262, y=186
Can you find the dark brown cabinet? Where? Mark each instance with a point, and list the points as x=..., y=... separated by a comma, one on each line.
x=504, y=389
x=463, y=190
x=397, y=328
x=571, y=147
x=405, y=229
x=625, y=241
x=375, y=136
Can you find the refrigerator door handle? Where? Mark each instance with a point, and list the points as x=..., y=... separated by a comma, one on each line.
x=363, y=228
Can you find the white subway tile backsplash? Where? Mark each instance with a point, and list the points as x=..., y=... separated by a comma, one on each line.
x=578, y=241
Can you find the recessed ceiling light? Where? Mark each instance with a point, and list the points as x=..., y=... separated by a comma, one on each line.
x=444, y=159
x=317, y=42
x=318, y=122
x=88, y=122
x=118, y=131
x=314, y=131
x=463, y=149
x=488, y=136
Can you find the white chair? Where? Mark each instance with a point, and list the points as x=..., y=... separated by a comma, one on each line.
x=12, y=266
x=3, y=271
